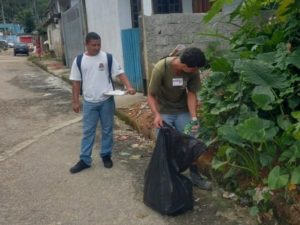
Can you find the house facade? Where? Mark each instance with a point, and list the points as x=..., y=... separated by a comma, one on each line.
x=125, y=29
x=9, y=32
x=53, y=25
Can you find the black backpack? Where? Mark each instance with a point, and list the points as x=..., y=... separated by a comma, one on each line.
x=109, y=62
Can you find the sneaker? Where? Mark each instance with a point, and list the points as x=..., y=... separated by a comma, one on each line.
x=79, y=166
x=201, y=183
x=107, y=162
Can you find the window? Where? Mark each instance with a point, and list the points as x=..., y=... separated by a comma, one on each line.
x=135, y=11
x=200, y=6
x=166, y=6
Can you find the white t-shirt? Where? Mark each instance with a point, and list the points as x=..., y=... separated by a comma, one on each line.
x=95, y=76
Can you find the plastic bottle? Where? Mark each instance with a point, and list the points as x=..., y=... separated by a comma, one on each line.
x=192, y=128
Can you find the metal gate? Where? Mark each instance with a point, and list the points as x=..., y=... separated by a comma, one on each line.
x=132, y=57
x=74, y=31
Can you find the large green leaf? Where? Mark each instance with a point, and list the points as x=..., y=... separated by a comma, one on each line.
x=283, y=122
x=266, y=57
x=291, y=154
x=229, y=134
x=296, y=132
x=260, y=73
x=256, y=130
x=263, y=97
x=294, y=58
x=296, y=115
x=276, y=180
x=271, y=132
x=221, y=64
x=295, y=179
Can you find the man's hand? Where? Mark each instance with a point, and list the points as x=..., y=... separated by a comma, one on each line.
x=76, y=107
x=158, y=122
x=131, y=91
x=195, y=126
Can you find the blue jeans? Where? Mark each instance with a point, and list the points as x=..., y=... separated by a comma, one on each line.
x=92, y=113
x=177, y=120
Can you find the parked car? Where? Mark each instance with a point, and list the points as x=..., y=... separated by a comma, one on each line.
x=3, y=44
x=21, y=48
x=11, y=44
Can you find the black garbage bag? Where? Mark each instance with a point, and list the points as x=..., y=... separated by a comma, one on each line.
x=184, y=149
x=165, y=189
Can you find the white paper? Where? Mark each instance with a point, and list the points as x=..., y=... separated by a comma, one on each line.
x=115, y=92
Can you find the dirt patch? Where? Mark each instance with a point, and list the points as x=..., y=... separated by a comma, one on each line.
x=140, y=117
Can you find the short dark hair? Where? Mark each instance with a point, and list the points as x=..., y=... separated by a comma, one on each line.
x=192, y=57
x=92, y=36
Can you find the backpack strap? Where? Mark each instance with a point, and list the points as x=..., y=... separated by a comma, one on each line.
x=109, y=63
x=78, y=62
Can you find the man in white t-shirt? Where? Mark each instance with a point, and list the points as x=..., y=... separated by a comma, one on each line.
x=96, y=105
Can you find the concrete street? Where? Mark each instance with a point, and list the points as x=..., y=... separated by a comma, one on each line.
x=39, y=141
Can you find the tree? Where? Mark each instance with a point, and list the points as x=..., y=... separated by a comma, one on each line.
x=25, y=12
x=28, y=22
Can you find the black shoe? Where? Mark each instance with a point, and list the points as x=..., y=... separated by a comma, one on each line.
x=79, y=166
x=107, y=162
x=198, y=180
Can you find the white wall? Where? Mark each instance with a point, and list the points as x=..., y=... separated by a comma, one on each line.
x=125, y=14
x=147, y=7
x=54, y=37
x=187, y=6
x=108, y=18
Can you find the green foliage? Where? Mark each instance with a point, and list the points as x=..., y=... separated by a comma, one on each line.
x=276, y=179
x=28, y=22
x=250, y=101
x=28, y=13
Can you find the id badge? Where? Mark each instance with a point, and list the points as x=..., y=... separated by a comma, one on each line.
x=177, y=82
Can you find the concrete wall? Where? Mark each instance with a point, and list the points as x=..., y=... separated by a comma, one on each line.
x=108, y=18
x=54, y=37
x=162, y=32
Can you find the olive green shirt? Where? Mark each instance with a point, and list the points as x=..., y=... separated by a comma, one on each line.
x=169, y=89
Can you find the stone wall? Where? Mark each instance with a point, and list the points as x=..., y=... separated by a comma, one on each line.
x=162, y=32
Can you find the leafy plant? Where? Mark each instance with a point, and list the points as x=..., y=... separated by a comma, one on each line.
x=250, y=100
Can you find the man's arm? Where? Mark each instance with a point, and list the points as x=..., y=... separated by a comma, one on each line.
x=123, y=78
x=152, y=102
x=192, y=103
x=75, y=96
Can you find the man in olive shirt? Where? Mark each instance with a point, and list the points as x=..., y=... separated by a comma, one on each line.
x=172, y=95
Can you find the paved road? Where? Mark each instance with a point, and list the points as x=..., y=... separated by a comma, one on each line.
x=39, y=140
